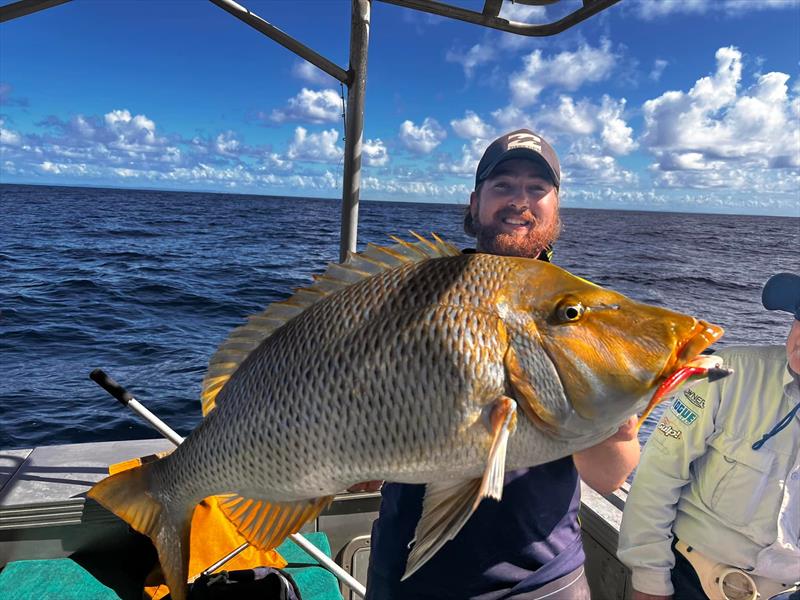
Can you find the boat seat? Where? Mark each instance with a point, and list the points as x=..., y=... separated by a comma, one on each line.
x=103, y=577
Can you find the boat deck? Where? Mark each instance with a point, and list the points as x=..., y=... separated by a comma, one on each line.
x=44, y=514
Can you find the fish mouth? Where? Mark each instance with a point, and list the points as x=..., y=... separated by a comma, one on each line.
x=702, y=336
x=688, y=362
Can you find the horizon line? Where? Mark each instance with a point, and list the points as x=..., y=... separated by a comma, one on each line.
x=338, y=199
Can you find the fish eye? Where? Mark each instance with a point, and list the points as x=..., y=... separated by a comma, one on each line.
x=570, y=312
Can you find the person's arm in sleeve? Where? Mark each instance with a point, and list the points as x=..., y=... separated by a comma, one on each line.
x=646, y=531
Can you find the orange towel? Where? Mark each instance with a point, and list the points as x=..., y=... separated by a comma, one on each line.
x=212, y=537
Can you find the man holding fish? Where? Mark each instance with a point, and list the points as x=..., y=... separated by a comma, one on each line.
x=529, y=544
x=420, y=364
x=714, y=511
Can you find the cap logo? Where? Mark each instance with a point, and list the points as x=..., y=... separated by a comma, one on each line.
x=525, y=140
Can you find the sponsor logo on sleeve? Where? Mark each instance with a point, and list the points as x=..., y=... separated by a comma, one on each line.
x=683, y=412
x=694, y=398
x=665, y=428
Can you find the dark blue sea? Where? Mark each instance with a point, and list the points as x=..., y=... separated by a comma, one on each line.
x=147, y=284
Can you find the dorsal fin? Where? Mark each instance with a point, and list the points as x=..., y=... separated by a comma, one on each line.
x=358, y=266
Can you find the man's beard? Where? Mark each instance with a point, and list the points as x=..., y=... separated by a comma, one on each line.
x=541, y=235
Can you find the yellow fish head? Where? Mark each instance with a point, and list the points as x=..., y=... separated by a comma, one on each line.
x=610, y=353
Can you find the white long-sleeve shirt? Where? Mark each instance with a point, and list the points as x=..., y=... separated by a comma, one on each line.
x=700, y=479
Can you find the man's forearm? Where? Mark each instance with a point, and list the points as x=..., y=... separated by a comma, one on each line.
x=605, y=466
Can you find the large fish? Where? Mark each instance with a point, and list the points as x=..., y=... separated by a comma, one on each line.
x=406, y=364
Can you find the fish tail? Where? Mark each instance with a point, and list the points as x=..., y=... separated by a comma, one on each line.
x=133, y=497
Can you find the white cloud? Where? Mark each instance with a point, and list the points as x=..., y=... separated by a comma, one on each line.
x=75, y=169
x=324, y=106
x=202, y=173
x=569, y=117
x=315, y=147
x=132, y=133
x=497, y=45
x=587, y=162
x=420, y=188
x=118, y=139
x=324, y=182
x=305, y=71
x=658, y=69
x=588, y=136
x=472, y=126
x=512, y=117
x=617, y=136
x=420, y=22
x=608, y=196
x=717, y=132
x=375, y=153
x=523, y=14
x=654, y=9
x=226, y=143
x=8, y=137
x=121, y=146
x=466, y=164
x=276, y=161
x=422, y=139
x=603, y=125
x=648, y=9
x=477, y=55
x=566, y=70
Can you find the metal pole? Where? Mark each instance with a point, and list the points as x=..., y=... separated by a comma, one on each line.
x=343, y=576
x=351, y=180
x=285, y=40
x=25, y=7
x=126, y=399
x=489, y=18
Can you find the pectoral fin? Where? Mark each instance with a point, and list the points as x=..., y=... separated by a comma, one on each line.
x=502, y=422
x=447, y=505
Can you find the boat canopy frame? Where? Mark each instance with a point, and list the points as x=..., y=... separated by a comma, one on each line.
x=355, y=77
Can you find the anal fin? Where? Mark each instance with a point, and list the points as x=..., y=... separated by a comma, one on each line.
x=266, y=524
x=449, y=504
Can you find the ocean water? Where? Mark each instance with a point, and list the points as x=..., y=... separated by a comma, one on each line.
x=147, y=284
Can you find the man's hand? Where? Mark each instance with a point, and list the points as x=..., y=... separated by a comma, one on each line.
x=637, y=595
x=605, y=466
x=627, y=431
x=366, y=486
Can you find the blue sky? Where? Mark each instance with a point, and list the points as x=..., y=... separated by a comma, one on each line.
x=688, y=105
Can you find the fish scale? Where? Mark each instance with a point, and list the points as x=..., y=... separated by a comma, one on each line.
x=296, y=371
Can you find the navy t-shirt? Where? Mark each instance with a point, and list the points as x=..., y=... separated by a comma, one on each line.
x=526, y=540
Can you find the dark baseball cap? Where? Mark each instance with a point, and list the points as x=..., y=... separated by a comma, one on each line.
x=522, y=143
x=782, y=292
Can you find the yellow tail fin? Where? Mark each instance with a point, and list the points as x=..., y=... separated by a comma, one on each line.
x=131, y=496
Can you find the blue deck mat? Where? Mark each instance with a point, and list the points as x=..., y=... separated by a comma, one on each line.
x=315, y=582
x=65, y=579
